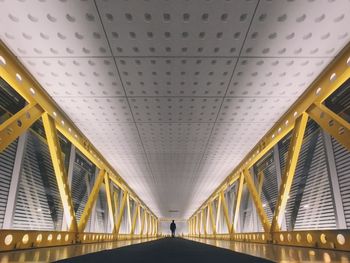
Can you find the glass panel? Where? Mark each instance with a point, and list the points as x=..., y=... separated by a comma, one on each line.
x=266, y=183
x=124, y=227
x=7, y=161
x=339, y=101
x=230, y=195
x=83, y=179
x=342, y=164
x=208, y=222
x=38, y=204
x=246, y=220
x=310, y=203
x=10, y=101
x=101, y=212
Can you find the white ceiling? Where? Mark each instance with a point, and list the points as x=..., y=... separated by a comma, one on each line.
x=175, y=93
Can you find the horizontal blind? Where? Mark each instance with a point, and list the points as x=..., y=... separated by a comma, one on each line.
x=38, y=204
x=310, y=204
x=342, y=163
x=7, y=160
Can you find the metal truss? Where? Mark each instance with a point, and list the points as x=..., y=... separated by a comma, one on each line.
x=309, y=105
x=40, y=105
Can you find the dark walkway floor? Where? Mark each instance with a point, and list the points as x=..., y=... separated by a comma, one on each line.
x=167, y=250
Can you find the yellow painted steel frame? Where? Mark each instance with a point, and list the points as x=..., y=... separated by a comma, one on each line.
x=291, y=164
x=61, y=176
x=309, y=104
x=12, y=128
x=40, y=104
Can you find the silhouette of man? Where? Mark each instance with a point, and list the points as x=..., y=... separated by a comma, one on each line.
x=173, y=228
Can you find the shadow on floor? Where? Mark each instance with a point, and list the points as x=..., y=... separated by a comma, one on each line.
x=167, y=250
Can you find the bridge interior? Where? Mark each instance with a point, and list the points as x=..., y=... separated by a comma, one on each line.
x=229, y=117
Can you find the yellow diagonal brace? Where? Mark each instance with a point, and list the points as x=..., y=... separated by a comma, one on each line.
x=205, y=222
x=201, y=228
x=198, y=224
x=12, y=128
x=136, y=213
x=261, y=182
x=225, y=210
x=212, y=219
x=238, y=203
x=60, y=172
x=121, y=212
x=139, y=219
x=332, y=123
x=128, y=212
x=90, y=202
x=115, y=205
x=149, y=230
x=257, y=201
x=291, y=164
x=111, y=209
x=218, y=214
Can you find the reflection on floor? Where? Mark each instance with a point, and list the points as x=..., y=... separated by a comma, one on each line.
x=285, y=254
x=56, y=253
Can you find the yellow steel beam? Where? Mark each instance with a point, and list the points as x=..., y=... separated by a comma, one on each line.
x=149, y=224
x=60, y=172
x=335, y=125
x=199, y=223
x=91, y=201
x=24, y=83
x=225, y=210
x=121, y=213
x=218, y=213
x=12, y=128
x=115, y=205
x=238, y=203
x=111, y=210
x=128, y=212
x=291, y=164
x=139, y=218
x=204, y=222
x=329, y=81
x=134, y=218
x=257, y=201
x=261, y=181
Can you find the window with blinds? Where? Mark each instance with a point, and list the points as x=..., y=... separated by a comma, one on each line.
x=310, y=203
x=7, y=160
x=116, y=195
x=339, y=102
x=266, y=183
x=83, y=179
x=208, y=222
x=38, y=203
x=10, y=103
x=230, y=195
x=101, y=213
x=246, y=212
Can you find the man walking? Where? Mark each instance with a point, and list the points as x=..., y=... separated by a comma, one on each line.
x=173, y=228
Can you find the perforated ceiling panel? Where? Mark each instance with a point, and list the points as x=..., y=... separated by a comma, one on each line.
x=175, y=93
